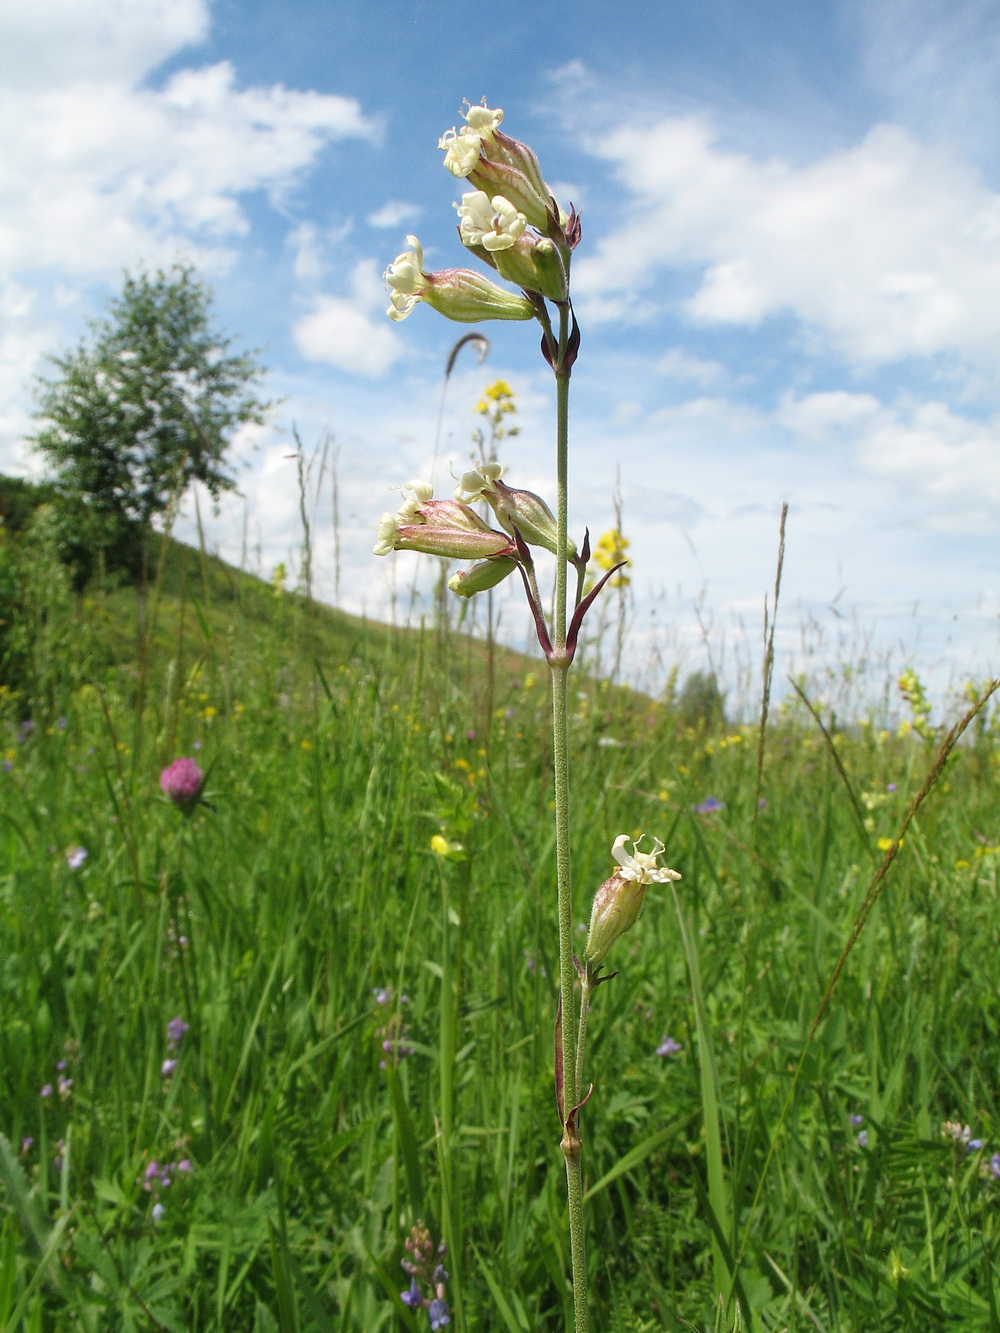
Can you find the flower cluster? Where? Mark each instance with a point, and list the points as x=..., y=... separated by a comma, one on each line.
x=156, y=1176
x=426, y=1273
x=453, y=529
x=509, y=220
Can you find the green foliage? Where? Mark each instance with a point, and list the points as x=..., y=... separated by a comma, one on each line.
x=323, y=1119
x=701, y=703
x=144, y=408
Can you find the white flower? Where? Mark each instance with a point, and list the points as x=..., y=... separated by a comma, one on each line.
x=405, y=275
x=419, y=493
x=641, y=866
x=461, y=151
x=462, y=147
x=483, y=120
x=386, y=543
x=493, y=223
x=478, y=482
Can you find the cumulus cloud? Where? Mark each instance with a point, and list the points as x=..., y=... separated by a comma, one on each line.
x=395, y=214
x=351, y=332
x=104, y=171
x=950, y=461
x=676, y=364
x=885, y=250
x=49, y=42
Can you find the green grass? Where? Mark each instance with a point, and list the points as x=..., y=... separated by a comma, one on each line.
x=335, y=751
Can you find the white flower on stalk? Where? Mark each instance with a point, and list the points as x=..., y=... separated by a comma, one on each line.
x=641, y=866
x=618, y=902
x=456, y=293
x=419, y=493
x=462, y=147
x=495, y=223
x=386, y=543
x=479, y=482
x=405, y=275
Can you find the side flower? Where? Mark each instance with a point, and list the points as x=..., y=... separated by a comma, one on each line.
x=618, y=902
x=439, y=527
x=457, y=293
x=534, y=519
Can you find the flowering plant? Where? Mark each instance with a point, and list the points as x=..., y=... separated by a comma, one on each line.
x=512, y=224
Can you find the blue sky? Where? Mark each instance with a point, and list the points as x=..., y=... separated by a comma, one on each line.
x=789, y=284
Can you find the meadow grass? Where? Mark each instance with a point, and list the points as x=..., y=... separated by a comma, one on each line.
x=370, y=1021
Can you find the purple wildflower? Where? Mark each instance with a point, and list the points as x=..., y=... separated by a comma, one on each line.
x=184, y=1166
x=7, y=765
x=46, y=1091
x=382, y=994
x=668, y=1047
x=857, y=1120
x=470, y=735
x=75, y=857
x=64, y=1086
x=709, y=806
x=439, y=1313
x=182, y=782
x=26, y=1143
x=158, y=1211
x=891, y=786
x=995, y=1166
x=151, y=1174
x=974, y=1145
x=25, y=729
x=168, y=1067
x=412, y=1298
x=863, y=1139
x=175, y=1032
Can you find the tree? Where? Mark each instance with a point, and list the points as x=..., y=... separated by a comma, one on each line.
x=145, y=407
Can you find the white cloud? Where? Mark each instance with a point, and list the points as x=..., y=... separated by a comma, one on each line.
x=395, y=214
x=887, y=250
x=98, y=171
x=48, y=42
x=951, y=462
x=351, y=333
x=676, y=364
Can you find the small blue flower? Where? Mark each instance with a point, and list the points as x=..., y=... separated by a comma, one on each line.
x=973, y=1145
x=412, y=1298
x=668, y=1047
x=857, y=1120
x=863, y=1139
x=709, y=806
x=439, y=1313
x=995, y=1166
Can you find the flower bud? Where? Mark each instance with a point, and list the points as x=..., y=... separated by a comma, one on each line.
x=534, y=519
x=457, y=293
x=480, y=578
x=618, y=902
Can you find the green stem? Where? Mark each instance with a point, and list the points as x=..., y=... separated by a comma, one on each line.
x=581, y=1036
x=571, y=1145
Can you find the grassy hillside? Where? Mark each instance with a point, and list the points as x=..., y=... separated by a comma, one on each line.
x=244, y=1051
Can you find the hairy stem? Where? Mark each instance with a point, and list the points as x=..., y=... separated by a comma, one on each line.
x=571, y=1145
